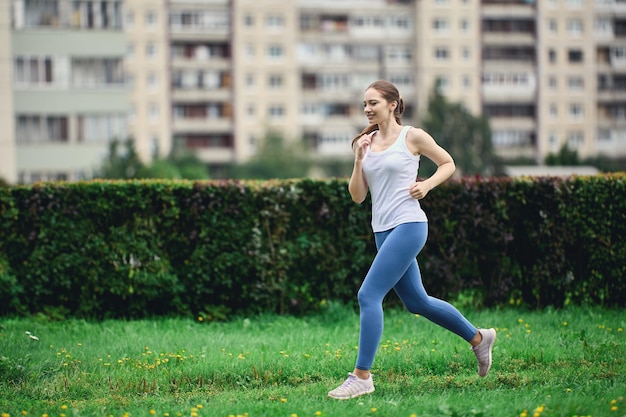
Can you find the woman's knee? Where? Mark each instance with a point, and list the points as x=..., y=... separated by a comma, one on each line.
x=367, y=298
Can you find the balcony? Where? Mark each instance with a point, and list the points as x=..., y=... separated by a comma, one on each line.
x=509, y=53
x=203, y=125
x=508, y=8
x=513, y=86
x=508, y=31
x=59, y=14
x=200, y=25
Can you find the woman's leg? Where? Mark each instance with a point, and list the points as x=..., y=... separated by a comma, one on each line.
x=397, y=249
x=411, y=291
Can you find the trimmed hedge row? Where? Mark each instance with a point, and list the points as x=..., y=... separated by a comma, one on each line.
x=138, y=248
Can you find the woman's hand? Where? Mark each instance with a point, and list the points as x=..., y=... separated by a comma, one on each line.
x=418, y=190
x=361, y=147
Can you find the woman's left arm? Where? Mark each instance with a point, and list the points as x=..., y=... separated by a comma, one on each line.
x=420, y=142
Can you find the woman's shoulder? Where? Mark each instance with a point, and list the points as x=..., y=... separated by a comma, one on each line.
x=415, y=133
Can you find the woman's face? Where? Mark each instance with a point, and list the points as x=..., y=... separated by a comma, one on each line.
x=375, y=106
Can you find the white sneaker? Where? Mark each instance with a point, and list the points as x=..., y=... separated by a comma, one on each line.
x=483, y=350
x=353, y=387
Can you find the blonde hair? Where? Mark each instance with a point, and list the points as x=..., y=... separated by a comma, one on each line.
x=389, y=93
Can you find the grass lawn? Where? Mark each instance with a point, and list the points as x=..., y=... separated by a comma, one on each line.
x=570, y=362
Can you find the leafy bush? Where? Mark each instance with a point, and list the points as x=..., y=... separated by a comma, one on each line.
x=212, y=248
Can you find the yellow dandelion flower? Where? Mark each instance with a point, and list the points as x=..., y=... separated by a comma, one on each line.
x=166, y=414
x=24, y=412
x=614, y=408
x=199, y=406
x=194, y=414
x=6, y=415
x=524, y=413
x=283, y=400
x=64, y=407
x=318, y=413
x=413, y=415
x=152, y=412
x=44, y=415
x=374, y=409
x=613, y=402
x=294, y=415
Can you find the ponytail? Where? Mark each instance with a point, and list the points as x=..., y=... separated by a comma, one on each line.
x=369, y=129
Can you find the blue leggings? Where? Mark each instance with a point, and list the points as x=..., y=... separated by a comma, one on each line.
x=395, y=267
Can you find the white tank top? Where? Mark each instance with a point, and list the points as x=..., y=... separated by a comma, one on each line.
x=389, y=174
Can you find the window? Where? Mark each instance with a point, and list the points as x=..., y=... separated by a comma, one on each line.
x=552, y=83
x=576, y=83
x=553, y=26
x=151, y=50
x=275, y=51
x=442, y=83
x=575, y=139
x=250, y=80
x=552, y=55
x=151, y=19
x=97, y=72
x=464, y=25
x=154, y=112
x=130, y=19
x=575, y=27
x=40, y=128
x=575, y=55
x=276, y=111
x=440, y=25
x=101, y=127
x=465, y=52
x=274, y=21
x=152, y=81
x=248, y=20
x=554, y=111
x=576, y=111
x=603, y=26
x=441, y=53
x=275, y=81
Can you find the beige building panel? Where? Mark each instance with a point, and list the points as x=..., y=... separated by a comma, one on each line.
x=8, y=168
x=146, y=29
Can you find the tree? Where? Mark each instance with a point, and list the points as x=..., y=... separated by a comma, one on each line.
x=466, y=137
x=125, y=164
x=122, y=161
x=275, y=159
x=566, y=156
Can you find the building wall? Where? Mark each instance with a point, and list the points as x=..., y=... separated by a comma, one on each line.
x=265, y=73
x=8, y=170
x=146, y=31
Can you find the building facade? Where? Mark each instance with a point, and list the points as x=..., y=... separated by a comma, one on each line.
x=216, y=76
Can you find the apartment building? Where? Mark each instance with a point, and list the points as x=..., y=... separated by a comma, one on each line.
x=69, y=96
x=215, y=76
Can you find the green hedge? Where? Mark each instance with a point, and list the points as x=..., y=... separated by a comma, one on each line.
x=137, y=248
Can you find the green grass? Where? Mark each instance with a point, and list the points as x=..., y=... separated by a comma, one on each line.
x=570, y=362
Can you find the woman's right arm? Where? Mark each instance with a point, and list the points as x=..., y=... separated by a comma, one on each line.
x=358, y=184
